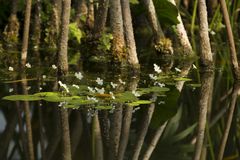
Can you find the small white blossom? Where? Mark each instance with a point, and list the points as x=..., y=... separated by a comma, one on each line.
x=114, y=85
x=122, y=82
x=54, y=66
x=92, y=99
x=157, y=68
x=44, y=76
x=153, y=77
x=100, y=91
x=161, y=102
x=78, y=75
x=91, y=89
x=61, y=104
x=194, y=67
x=63, y=86
x=10, y=90
x=159, y=84
x=10, y=68
x=28, y=65
x=112, y=95
x=135, y=93
x=76, y=86
x=177, y=69
x=40, y=88
x=29, y=87
x=99, y=81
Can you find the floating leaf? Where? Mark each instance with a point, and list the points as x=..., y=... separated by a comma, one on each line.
x=22, y=98
x=154, y=89
x=46, y=94
x=182, y=79
x=103, y=107
x=21, y=80
x=125, y=97
x=194, y=85
x=139, y=102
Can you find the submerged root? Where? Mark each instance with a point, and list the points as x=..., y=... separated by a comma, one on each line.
x=164, y=46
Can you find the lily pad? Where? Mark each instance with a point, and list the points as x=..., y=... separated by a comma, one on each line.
x=22, y=98
x=139, y=102
x=182, y=79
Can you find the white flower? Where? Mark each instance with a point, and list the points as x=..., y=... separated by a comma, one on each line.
x=161, y=102
x=63, y=86
x=157, y=68
x=177, y=69
x=92, y=99
x=99, y=81
x=28, y=65
x=135, y=93
x=112, y=95
x=54, y=66
x=44, y=76
x=100, y=91
x=76, y=86
x=122, y=82
x=194, y=67
x=153, y=77
x=114, y=85
x=29, y=87
x=10, y=68
x=78, y=75
x=159, y=84
x=91, y=89
x=40, y=88
x=10, y=90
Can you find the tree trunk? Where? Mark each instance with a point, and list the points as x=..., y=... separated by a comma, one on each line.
x=90, y=15
x=129, y=36
x=37, y=24
x=116, y=21
x=63, y=42
x=81, y=11
x=11, y=30
x=153, y=20
x=206, y=54
x=26, y=32
x=233, y=52
x=182, y=34
x=101, y=17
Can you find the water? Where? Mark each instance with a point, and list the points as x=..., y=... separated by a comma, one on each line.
x=138, y=115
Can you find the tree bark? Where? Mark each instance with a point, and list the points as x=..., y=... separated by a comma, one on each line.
x=26, y=32
x=233, y=53
x=116, y=21
x=81, y=10
x=90, y=15
x=129, y=35
x=101, y=17
x=182, y=34
x=205, y=93
x=206, y=54
x=63, y=43
x=37, y=24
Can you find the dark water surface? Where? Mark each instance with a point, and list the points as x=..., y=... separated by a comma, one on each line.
x=146, y=115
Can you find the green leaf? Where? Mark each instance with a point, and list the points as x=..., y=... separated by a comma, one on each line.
x=166, y=12
x=125, y=97
x=139, y=102
x=22, y=98
x=183, y=134
x=103, y=107
x=154, y=89
x=182, y=79
x=75, y=32
x=46, y=94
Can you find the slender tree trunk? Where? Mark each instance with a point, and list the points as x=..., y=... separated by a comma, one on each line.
x=229, y=120
x=154, y=141
x=26, y=32
x=101, y=17
x=90, y=15
x=129, y=36
x=233, y=52
x=142, y=133
x=182, y=35
x=116, y=21
x=115, y=132
x=37, y=24
x=11, y=31
x=206, y=54
x=205, y=93
x=81, y=11
x=63, y=42
x=153, y=20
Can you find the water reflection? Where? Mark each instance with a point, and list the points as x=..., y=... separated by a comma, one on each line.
x=183, y=123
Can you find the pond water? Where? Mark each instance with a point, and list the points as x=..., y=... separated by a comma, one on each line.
x=103, y=113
